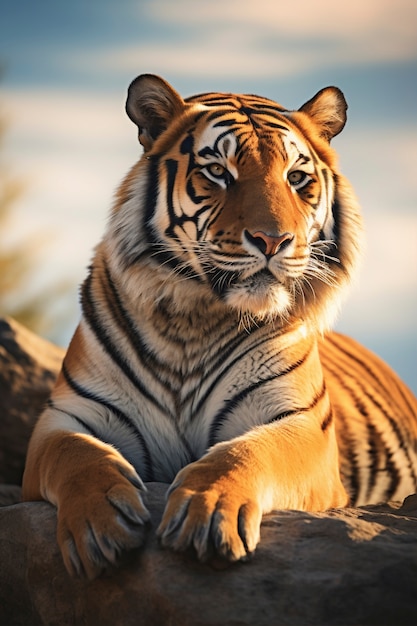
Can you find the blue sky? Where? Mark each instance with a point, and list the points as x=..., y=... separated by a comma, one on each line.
x=66, y=70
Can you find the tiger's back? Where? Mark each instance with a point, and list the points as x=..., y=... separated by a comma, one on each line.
x=376, y=422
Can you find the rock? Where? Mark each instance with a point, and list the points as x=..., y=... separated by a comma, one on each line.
x=342, y=567
x=10, y=494
x=352, y=566
x=29, y=366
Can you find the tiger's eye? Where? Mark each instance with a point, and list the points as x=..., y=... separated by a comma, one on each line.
x=296, y=177
x=216, y=170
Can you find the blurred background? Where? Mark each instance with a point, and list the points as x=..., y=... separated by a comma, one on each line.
x=66, y=143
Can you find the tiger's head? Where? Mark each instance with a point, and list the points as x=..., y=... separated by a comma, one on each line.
x=242, y=198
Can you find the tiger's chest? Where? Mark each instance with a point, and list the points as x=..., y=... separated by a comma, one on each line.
x=210, y=387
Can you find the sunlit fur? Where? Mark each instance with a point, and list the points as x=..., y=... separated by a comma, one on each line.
x=201, y=357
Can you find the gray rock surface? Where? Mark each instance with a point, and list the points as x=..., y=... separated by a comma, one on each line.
x=342, y=567
x=28, y=369
x=352, y=566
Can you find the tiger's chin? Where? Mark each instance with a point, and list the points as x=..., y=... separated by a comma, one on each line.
x=260, y=302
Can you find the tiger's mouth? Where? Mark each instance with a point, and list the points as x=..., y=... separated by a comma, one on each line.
x=260, y=295
x=261, y=281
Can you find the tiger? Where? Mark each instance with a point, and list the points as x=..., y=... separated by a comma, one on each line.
x=205, y=356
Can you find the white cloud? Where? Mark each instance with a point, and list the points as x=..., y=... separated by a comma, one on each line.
x=389, y=269
x=55, y=115
x=381, y=165
x=258, y=38
x=70, y=150
x=321, y=18
x=386, y=292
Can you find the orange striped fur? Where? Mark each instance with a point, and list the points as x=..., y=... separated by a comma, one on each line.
x=200, y=360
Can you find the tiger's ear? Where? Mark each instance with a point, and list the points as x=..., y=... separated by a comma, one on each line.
x=151, y=104
x=328, y=110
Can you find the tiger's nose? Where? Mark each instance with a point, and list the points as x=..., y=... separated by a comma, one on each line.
x=268, y=244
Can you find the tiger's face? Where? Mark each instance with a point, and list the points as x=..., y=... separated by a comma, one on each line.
x=242, y=197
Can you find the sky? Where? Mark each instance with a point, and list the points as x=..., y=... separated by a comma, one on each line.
x=66, y=69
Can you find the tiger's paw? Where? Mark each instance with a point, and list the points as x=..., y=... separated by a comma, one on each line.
x=102, y=518
x=217, y=517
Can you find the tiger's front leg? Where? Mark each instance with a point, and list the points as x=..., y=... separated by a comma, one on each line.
x=98, y=495
x=216, y=503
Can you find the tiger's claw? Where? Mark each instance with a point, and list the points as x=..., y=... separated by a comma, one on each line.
x=97, y=527
x=215, y=519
